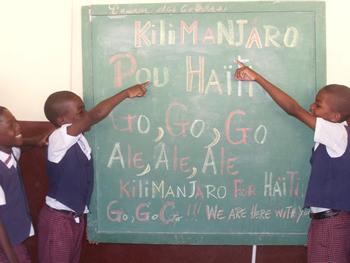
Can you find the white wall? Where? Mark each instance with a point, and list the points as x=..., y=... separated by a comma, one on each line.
x=34, y=54
x=40, y=50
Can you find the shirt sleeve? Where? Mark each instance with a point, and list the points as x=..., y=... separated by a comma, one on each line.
x=59, y=143
x=2, y=197
x=333, y=135
x=16, y=152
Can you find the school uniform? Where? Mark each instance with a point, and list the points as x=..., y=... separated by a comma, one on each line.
x=14, y=211
x=61, y=220
x=328, y=194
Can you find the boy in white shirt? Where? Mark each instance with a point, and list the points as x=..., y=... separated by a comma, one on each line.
x=15, y=221
x=69, y=168
x=328, y=194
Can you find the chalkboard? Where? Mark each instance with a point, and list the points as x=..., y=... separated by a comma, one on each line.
x=202, y=159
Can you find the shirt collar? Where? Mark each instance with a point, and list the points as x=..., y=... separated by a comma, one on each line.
x=8, y=159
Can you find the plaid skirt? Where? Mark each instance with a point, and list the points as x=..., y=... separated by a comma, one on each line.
x=60, y=236
x=329, y=239
x=21, y=252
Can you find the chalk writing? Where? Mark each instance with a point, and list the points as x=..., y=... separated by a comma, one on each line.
x=202, y=155
x=147, y=34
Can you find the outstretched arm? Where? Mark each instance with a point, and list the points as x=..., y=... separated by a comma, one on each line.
x=101, y=110
x=287, y=103
x=38, y=140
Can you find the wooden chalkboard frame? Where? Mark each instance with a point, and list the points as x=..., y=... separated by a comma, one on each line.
x=253, y=237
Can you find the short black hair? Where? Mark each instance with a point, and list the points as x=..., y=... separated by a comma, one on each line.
x=2, y=109
x=340, y=95
x=54, y=105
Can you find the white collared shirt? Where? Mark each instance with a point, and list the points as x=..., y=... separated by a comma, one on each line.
x=59, y=143
x=335, y=137
x=11, y=160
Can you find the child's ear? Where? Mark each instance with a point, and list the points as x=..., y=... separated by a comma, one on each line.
x=337, y=116
x=60, y=120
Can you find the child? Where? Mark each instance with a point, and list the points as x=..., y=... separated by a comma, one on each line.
x=69, y=168
x=328, y=192
x=15, y=221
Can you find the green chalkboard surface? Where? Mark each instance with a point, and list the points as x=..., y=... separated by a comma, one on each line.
x=202, y=159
